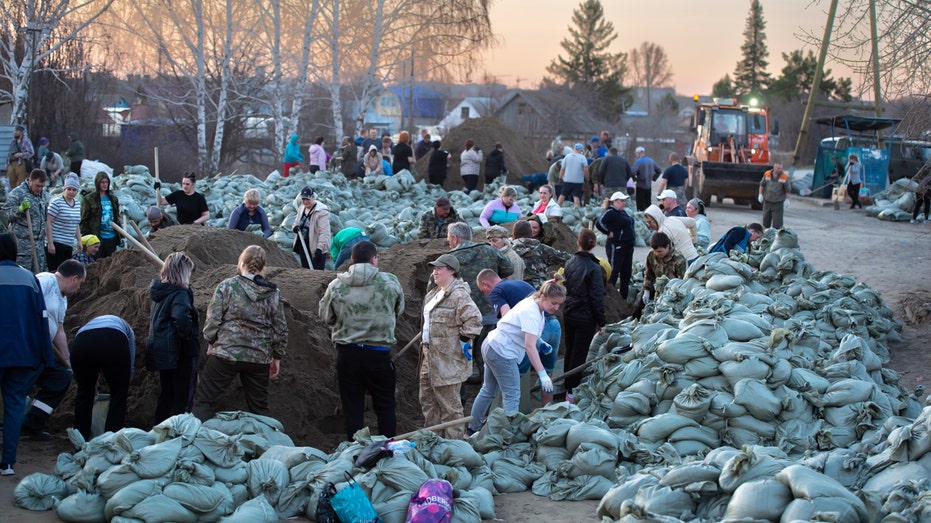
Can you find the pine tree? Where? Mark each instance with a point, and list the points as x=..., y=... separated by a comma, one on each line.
x=589, y=66
x=723, y=88
x=750, y=77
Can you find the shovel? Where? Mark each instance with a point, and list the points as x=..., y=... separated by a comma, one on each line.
x=300, y=235
x=32, y=242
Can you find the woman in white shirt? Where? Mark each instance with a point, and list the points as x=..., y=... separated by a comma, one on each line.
x=516, y=335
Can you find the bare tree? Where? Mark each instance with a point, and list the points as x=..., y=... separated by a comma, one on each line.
x=649, y=67
x=27, y=40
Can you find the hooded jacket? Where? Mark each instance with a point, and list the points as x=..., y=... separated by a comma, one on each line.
x=316, y=226
x=91, y=209
x=362, y=305
x=245, y=321
x=675, y=228
x=455, y=317
x=292, y=152
x=173, y=328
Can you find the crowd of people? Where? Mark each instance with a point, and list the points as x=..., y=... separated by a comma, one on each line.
x=489, y=314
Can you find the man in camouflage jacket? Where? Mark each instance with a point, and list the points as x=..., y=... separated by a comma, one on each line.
x=361, y=306
x=435, y=222
x=29, y=197
x=538, y=257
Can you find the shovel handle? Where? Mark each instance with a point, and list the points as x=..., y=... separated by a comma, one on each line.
x=434, y=428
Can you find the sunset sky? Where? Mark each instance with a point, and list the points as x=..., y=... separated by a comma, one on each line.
x=702, y=38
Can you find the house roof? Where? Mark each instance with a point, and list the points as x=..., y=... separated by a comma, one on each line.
x=570, y=115
x=428, y=102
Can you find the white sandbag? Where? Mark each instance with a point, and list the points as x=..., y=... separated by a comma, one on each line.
x=660, y=499
x=740, y=330
x=847, y=391
x=586, y=432
x=751, y=367
x=839, y=510
x=724, y=282
x=610, y=504
x=200, y=499
x=809, y=484
x=758, y=500
x=692, y=472
x=757, y=398
x=39, y=491
x=658, y=428
x=127, y=497
x=256, y=510
x=682, y=348
x=156, y=460
x=82, y=507
x=748, y=465
x=268, y=477
x=804, y=379
x=897, y=473
x=703, y=367
x=693, y=402
x=160, y=509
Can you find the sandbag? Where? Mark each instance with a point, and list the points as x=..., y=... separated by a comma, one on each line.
x=660, y=499
x=559, y=488
x=160, y=509
x=128, y=496
x=757, y=398
x=218, y=448
x=610, y=504
x=38, y=491
x=200, y=499
x=758, y=500
x=256, y=510
x=847, y=391
x=156, y=460
x=809, y=484
x=268, y=477
x=82, y=507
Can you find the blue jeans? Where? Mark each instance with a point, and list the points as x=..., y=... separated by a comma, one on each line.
x=500, y=373
x=552, y=333
x=14, y=383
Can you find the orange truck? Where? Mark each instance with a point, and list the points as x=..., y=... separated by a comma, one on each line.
x=731, y=150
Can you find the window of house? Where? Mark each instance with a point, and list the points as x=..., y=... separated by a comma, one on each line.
x=388, y=101
x=464, y=113
x=522, y=109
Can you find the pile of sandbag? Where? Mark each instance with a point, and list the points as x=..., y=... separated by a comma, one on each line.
x=895, y=203
x=239, y=467
x=388, y=208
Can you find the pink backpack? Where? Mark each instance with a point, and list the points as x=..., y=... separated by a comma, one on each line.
x=433, y=503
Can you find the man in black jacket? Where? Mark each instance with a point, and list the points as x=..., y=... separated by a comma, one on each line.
x=615, y=171
x=619, y=248
x=494, y=164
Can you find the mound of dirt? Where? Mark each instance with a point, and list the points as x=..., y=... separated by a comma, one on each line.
x=305, y=395
x=917, y=307
x=519, y=155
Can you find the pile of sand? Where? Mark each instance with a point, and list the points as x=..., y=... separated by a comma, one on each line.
x=520, y=158
x=305, y=396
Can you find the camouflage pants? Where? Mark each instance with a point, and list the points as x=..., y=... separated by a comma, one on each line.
x=441, y=404
x=24, y=247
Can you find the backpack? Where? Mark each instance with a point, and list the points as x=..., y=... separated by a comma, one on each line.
x=433, y=503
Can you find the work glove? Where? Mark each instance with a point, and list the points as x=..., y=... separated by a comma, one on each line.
x=646, y=297
x=785, y=204
x=25, y=206
x=759, y=198
x=544, y=348
x=545, y=382
x=157, y=185
x=296, y=229
x=466, y=349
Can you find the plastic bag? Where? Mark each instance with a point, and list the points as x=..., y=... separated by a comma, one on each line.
x=372, y=454
x=352, y=505
x=324, y=512
x=433, y=503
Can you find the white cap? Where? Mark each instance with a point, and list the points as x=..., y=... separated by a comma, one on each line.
x=620, y=195
x=639, y=150
x=668, y=193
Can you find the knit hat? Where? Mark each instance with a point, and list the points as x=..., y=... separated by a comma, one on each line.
x=153, y=213
x=89, y=239
x=7, y=247
x=71, y=180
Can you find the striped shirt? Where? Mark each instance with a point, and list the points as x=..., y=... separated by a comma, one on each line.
x=65, y=220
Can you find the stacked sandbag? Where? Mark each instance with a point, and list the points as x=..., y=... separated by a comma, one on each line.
x=896, y=202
